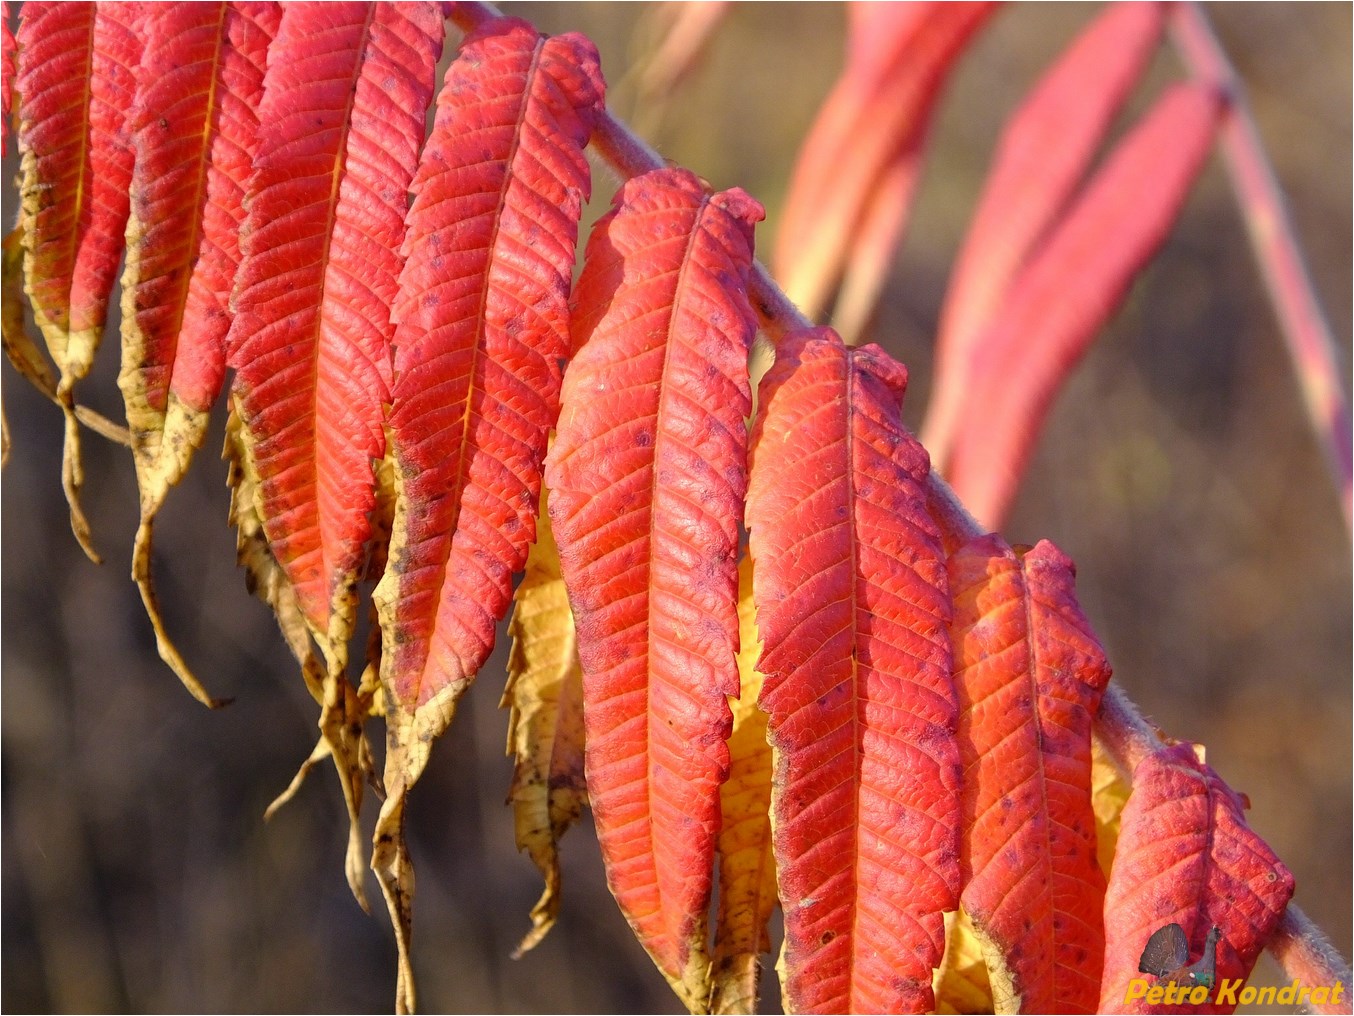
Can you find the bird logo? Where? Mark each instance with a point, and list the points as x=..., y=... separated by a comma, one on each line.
x=1166, y=957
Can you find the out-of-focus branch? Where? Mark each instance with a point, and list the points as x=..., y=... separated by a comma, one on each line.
x=1306, y=331
x=1298, y=945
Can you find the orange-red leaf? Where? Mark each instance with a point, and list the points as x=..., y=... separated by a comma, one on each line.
x=1029, y=674
x=875, y=118
x=482, y=331
x=1186, y=856
x=194, y=130
x=74, y=78
x=1044, y=152
x=482, y=319
x=341, y=121
x=1070, y=288
x=647, y=476
x=852, y=608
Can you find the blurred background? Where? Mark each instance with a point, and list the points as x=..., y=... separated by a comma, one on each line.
x=1177, y=468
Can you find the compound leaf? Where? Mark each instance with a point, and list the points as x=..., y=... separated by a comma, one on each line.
x=852, y=607
x=647, y=477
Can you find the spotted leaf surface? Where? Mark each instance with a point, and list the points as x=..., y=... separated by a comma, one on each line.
x=852, y=608
x=1186, y=856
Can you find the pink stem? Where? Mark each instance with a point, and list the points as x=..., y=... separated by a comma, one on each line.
x=1311, y=344
x=1298, y=945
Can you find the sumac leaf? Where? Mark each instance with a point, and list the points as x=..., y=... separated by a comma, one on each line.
x=747, y=865
x=545, y=728
x=647, y=476
x=194, y=129
x=1069, y=288
x=875, y=119
x=1029, y=673
x=76, y=65
x=482, y=331
x=852, y=608
x=340, y=124
x=6, y=74
x=1186, y=856
x=1044, y=152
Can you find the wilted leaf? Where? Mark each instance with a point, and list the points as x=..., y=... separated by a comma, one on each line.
x=1186, y=856
x=852, y=607
x=747, y=865
x=74, y=77
x=545, y=728
x=1069, y=288
x=1029, y=673
x=647, y=476
x=194, y=130
x=1044, y=152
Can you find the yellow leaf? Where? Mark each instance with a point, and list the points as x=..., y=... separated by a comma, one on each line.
x=960, y=982
x=1109, y=791
x=747, y=869
x=545, y=728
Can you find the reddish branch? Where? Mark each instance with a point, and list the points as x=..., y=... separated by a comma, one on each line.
x=1306, y=331
x=1299, y=946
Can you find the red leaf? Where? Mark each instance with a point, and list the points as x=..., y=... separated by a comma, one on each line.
x=1029, y=673
x=1044, y=152
x=342, y=115
x=647, y=476
x=482, y=331
x=1186, y=856
x=1070, y=288
x=875, y=117
x=74, y=77
x=6, y=74
x=482, y=317
x=194, y=129
x=852, y=607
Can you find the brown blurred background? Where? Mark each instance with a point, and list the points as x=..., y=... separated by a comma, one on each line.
x=1177, y=468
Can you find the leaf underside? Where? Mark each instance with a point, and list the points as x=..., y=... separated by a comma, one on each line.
x=647, y=476
x=852, y=608
x=1029, y=674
